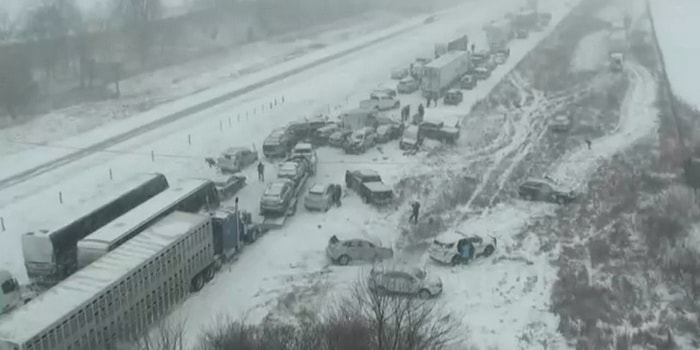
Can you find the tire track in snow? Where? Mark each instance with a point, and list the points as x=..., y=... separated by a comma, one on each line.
x=638, y=119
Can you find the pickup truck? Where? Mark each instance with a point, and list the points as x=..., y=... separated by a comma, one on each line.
x=380, y=102
x=442, y=128
x=369, y=185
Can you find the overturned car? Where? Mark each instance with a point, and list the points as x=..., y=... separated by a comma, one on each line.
x=461, y=250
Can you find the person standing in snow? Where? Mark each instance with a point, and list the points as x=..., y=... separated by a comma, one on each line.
x=421, y=110
x=261, y=171
x=588, y=143
x=415, y=208
x=337, y=193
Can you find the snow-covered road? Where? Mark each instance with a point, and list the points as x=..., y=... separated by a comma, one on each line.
x=339, y=84
x=638, y=119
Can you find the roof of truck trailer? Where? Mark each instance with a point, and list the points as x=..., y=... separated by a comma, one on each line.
x=446, y=57
x=124, y=224
x=31, y=319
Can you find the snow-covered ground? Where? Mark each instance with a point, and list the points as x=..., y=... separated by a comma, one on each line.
x=285, y=263
x=145, y=91
x=591, y=52
x=675, y=28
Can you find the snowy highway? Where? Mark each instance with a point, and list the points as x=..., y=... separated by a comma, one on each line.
x=277, y=273
x=503, y=302
x=349, y=79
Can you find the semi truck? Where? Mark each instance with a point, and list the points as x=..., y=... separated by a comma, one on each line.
x=525, y=21
x=459, y=44
x=50, y=255
x=498, y=34
x=441, y=73
x=123, y=293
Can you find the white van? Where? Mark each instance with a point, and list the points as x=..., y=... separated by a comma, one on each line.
x=410, y=138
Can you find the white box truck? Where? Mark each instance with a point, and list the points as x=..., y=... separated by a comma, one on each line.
x=498, y=34
x=441, y=73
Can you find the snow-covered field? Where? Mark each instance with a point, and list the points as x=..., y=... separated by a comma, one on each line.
x=145, y=91
x=675, y=26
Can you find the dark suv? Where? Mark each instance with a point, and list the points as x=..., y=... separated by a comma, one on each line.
x=277, y=144
x=545, y=191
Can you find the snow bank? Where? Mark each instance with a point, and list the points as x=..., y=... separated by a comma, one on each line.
x=676, y=25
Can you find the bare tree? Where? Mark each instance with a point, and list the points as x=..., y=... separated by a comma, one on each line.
x=396, y=322
x=683, y=259
x=16, y=84
x=49, y=27
x=137, y=18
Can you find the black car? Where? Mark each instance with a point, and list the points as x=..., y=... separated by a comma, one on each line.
x=277, y=144
x=228, y=187
x=545, y=191
x=453, y=97
x=304, y=129
x=467, y=82
x=368, y=184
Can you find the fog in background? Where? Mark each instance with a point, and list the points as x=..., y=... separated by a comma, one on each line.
x=60, y=53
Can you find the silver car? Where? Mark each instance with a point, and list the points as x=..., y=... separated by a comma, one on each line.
x=343, y=252
x=320, y=197
x=404, y=280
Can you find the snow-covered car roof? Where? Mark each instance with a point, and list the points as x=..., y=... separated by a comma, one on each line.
x=378, y=187
x=408, y=79
x=366, y=172
x=409, y=269
x=450, y=237
x=303, y=146
x=481, y=69
x=275, y=188
x=454, y=91
x=562, y=118
x=289, y=168
x=318, y=188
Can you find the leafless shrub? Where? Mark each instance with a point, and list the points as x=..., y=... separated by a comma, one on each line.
x=363, y=320
x=165, y=336
x=397, y=323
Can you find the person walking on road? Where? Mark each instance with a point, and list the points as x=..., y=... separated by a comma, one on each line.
x=261, y=171
x=415, y=208
x=588, y=143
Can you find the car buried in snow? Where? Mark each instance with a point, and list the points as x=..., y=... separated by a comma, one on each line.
x=399, y=73
x=292, y=170
x=404, y=280
x=461, y=250
x=345, y=251
x=482, y=73
x=545, y=190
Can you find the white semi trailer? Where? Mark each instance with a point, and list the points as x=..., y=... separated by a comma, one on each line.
x=441, y=73
x=123, y=293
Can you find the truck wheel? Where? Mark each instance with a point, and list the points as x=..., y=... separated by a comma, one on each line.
x=209, y=273
x=455, y=260
x=197, y=283
x=344, y=260
x=253, y=236
x=488, y=251
x=424, y=294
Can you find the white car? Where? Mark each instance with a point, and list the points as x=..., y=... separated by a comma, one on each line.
x=404, y=280
x=344, y=252
x=320, y=197
x=461, y=249
x=560, y=123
